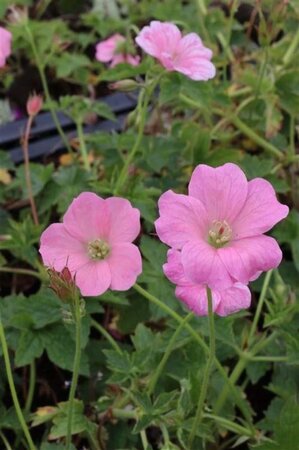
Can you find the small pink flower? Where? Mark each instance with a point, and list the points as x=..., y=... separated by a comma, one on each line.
x=95, y=242
x=219, y=226
x=112, y=51
x=185, y=54
x=194, y=296
x=5, y=45
x=34, y=104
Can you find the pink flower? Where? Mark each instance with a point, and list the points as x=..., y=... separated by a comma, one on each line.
x=219, y=226
x=112, y=51
x=225, y=302
x=5, y=45
x=95, y=243
x=186, y=54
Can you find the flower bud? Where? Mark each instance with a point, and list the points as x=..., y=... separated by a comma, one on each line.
x=124, y=85
x=34, y=104
x=63, y=284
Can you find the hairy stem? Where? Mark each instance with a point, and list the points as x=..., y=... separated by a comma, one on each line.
x=105, y=333
x=25, y=147
x=207, y=372
x=239, y=401
x=77, y=318
x=83, y=148
x=13, y=389
x=40, y=67
x=157, y=373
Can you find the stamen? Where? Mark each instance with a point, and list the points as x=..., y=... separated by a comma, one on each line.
x=220, y=233
x=98, y=249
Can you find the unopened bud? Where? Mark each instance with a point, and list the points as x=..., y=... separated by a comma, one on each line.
x=34, y=104
x=63, y=284
x=124, y=85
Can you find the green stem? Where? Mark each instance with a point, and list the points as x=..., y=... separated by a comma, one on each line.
x=241, y=364
x=291, y=50
x=32, y=379
x=238, y=123
x=83, y=148
x=20, y=271
x=229, y=425
x=77, y=317
x=267, y=146
x=157, y=373
x=105, y=333
x=207, y=372
x=13, y=389
x=43, y=78
x=144, y=439
x=239, y=401
x=5, y=441
x=270, y=358
x=292, y=136
x=142, y=109
x=259, y=306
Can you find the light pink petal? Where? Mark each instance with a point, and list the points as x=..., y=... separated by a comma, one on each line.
x=159, y=39
x=132, y=60
x=59, y=249
x=203, y=265
x=124, y=220
x=233, y=299
x=193, y=59
x=125, y=265
x=174, y=270
x=5, y=45
x=222, y=190
x=105, y=50
x=117, y=59
x=93, y=278
x=195, y=298
x=87, y=217
x=245, y=257
x=181, y=220
x=260, y=212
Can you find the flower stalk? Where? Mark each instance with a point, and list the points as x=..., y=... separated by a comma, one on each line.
x=25, y=148
x=13, y=389
x=207, y=373
x=77, y=315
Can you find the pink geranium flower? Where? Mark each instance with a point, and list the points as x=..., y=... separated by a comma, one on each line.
x=185, y=54
x=5, y=45
x=219, y=227
x=112, y=51
x=194, y=296
x=95, y=242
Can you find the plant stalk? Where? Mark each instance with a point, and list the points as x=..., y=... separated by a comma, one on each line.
x=13, y=389
x=207, y=372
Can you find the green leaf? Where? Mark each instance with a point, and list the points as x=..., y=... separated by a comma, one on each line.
x=79, y=421
x=30, y=346
x=61, y=348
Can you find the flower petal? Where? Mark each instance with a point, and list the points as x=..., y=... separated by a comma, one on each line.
x=193, y=58
x=244, y=258
x=159, y=38
x=174, y=270
x=222, y=190
x=181, y=220
x=195, y=298
x=93, y=278
x=260, y=212
x=202, y=265
x=124, y=220
x=105, y=50
x=87, y=217
x=59, y=249
x=233, y=299
x=125, y=265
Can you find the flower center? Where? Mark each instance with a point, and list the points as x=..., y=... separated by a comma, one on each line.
x=220, y=233
x=98, y=249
